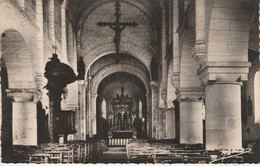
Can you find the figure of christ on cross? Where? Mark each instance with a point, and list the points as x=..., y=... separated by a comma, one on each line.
x=118, y=27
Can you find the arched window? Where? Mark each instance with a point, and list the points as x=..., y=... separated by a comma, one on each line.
x=257, y=97
x=104, y=109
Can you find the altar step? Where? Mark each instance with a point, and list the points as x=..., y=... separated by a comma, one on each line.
x=113, y=155
x=118, y=142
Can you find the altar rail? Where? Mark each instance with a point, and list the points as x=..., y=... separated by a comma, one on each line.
x=117, y=142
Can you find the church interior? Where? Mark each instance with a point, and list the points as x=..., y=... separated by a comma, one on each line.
x=130, y=81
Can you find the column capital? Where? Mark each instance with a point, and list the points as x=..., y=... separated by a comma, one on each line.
x=94, y=95
x=82, y=82
x=24, y=95
x=147, y=95
x=154, y=84
x=63, y=4
x=175, y=80
x=190, y=94
x=224, y=82
x=223, y=71
x=199, y=52
x=164, y=94
x=163, y=4
x=170, y=104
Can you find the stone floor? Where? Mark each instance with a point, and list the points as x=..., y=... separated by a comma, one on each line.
x=113, y=155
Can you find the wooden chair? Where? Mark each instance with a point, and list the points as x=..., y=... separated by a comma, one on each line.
x=39, y=158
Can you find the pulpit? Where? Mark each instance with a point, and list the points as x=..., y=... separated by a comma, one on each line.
x=66, y=122
x=58, y=75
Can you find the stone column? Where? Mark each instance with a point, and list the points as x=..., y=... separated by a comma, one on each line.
x=199, y=50
x=81, y=114
x=176, y=52
x=259, y=27
x=63, y=30
x=200, y=21
x=223, y=103
x=175, y=79
x=148, y=116
x=89, y=108
x=223, y=115
x=154, y=109
x=24, y=115
x=163, y=86
x=170, y=123
x=40, y=80
x=94, y=113
x=51, y=21
x=40, y=45
x=71, y=47
x=1, y=100
x=191, y=119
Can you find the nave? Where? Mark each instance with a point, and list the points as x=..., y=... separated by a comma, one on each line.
x=79, y=78
x=135, y=151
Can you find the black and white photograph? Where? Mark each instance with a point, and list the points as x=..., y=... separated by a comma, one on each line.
x=130, y=82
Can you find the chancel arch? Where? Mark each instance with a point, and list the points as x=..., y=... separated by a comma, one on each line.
x=139, y=51
x=120, y=68
x=103, y=73
x=122, y=93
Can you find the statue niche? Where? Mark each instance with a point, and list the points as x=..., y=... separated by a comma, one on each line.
x=122, y=112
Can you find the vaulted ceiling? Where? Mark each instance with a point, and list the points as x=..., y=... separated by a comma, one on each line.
x=78, y=7
x=139, y=45
x=141, y=42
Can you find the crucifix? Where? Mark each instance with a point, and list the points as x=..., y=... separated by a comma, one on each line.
x=118, y=27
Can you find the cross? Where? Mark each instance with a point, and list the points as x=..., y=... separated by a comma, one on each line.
x=55, y=48
x=118, y=27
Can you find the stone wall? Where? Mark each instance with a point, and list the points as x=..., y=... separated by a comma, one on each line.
x=251, y=130
x=26, y=46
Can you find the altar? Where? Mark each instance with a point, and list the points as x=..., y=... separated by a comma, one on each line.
x=121, y=118
x=122, y=134
x=120, y=137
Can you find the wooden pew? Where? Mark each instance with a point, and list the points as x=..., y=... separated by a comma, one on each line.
x=165, y=153
x=39, y=158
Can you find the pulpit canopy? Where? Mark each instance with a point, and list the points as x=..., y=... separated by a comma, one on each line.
x=59, y=72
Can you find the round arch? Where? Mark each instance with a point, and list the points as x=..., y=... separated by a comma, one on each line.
x=96, y=53
x=119, y=68
x=17, y=58
x=225, y=23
